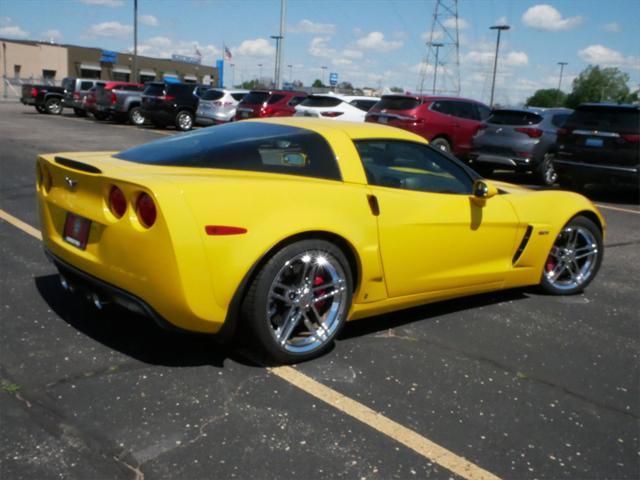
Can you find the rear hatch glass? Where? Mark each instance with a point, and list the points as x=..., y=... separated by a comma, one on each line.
x=393, y=102
x=514, y=117
x=68, y=84
x=155, y=89
x=606, y=119
x=212, y=95
x=255, y=98
x=320, y=101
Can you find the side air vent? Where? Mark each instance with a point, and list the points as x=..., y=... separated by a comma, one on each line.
x=523, y=244
x=83, y=167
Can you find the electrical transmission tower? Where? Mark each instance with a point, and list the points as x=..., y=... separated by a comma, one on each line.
x=442, y=61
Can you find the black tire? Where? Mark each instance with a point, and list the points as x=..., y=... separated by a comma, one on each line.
x=184, y=120
x=53, y=106
x=80, y=112
x=484, y=170
x=441, y=144
x=268, y=313
x=585, y=255
x=545, y=172
x=101, y=116
x=41, y=109
x=136, y=117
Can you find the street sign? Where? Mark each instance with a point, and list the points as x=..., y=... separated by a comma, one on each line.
x=333, y=79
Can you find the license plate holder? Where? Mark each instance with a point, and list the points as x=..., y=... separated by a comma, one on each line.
x=594, y=142
x=76, y=230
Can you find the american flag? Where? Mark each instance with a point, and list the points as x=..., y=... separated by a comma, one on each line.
x=227, y=53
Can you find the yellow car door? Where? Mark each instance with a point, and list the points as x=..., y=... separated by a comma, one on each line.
x=434, y=235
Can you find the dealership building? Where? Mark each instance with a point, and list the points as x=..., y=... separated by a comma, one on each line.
x=24, y=61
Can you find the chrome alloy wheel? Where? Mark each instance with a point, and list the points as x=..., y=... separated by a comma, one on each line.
x=550, y=176
x=137, y=118
x=572, y=259
x=185, y=122
x=306, y=301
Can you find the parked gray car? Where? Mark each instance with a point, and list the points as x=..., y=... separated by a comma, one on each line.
x=75, y=89
x=120, y=102
x=520, y=139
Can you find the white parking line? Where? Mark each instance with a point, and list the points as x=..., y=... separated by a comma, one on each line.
x=628, y=210
x=401, y=434
x=159, y=132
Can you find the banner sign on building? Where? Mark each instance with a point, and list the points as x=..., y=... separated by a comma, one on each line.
x=220, y=67
x=185, y=59
x=333, y=79
x=107, y=56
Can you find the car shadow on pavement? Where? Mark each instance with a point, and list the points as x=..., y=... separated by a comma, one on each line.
x=428, y=312
x=134, y=335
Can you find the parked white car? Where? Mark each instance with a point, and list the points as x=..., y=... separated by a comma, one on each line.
x=218, y=105
x=339, y=107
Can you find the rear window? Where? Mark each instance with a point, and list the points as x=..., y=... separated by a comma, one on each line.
x=154, y=89
x=68, y=83
x=559, y=119
x=249, y=146
x=238, y=96
x=607, y=119
x=86, y=85
x=364, y=105
x=514, y=117
x=256, y=98
x=320, y=101
x=274, y=98
x=212, y=95
x=397, y=103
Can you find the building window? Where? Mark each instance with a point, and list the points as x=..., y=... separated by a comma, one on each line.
x=147, y=78
x=48, y=75
x=89, y=73
x=16, y=71
x=120, y=76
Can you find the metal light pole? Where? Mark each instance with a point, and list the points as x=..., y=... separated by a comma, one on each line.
x=280, y=46
x=233, y=74
x=324, y=68
x=435, y=72
x=134, y=63
x=499, y=28
x=260, y=76
x=290, y=73
x=562, y=64
x=276, y=73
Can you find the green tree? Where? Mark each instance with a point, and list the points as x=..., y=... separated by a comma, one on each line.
x=317, y=83
x=251, y=84
x=397, y=90
x=546, y=97
x=595, y=84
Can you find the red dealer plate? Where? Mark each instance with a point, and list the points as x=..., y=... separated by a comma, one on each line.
x=76, y=230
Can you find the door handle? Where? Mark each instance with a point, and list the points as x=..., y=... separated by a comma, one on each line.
x=373, y=205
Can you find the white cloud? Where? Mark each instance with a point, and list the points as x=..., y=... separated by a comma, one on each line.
x=437, y=35
x=149, y=20
x=307, y=26
x=510, y=59
x=349, y=53
x=319, y=47
x=103, y=3
x=109, y=29
x=546, y=17
x=375, y=41
x=451, y=23
x=164, y=47
x=613, y=27
x=260, y=47
x=502, y=21
x=13, y=31
x=601, y=55
x=159, y=42
x=515, y=59
x=51, y=35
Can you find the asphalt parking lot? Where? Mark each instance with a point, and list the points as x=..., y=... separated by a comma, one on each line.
x=514, y=384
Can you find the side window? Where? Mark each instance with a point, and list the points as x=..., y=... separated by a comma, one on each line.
x=443, y=106
x=411, y=166
x=483, y=111
x=238, y=96
x=295, y=101
x=86, y=85
x=465, y=110
x=274, y=98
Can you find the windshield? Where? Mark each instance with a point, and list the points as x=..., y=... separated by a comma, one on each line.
x=154, y=89
x=255, y=98
x=605, y=118
x=393, y=102
x=514, y=117
x=212, y=95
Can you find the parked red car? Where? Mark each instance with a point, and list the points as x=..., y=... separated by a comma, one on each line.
x=89, y=101
x=449, y=123
x=269, y=103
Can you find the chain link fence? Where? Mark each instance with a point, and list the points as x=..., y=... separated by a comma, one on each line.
x=11, y=88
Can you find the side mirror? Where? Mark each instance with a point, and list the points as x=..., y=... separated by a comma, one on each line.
x=484, y=189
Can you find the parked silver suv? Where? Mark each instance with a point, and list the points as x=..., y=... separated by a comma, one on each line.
x=75, y=89
x=218, y=105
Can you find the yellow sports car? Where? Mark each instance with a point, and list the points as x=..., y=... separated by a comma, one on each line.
x=289, y=227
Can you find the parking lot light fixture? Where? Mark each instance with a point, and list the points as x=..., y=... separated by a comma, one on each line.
x=499, y=28
x=324, y=68
x=435, y=71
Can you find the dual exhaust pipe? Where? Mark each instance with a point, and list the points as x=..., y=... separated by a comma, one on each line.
x=91, y=297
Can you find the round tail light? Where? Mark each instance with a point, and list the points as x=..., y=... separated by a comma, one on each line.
x=146, y=210
x=117, y=202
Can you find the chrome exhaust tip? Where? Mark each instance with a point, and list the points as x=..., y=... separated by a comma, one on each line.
x=96, y=300
x=65, y=284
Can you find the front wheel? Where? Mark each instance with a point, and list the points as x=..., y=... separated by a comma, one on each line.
x=136, y=117
x=184, y=120
x=574, y=259
x=299, y=301
x=441, y=144
x=545, y=172
x=53, y=106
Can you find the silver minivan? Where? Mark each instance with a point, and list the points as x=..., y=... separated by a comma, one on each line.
x=218, y=105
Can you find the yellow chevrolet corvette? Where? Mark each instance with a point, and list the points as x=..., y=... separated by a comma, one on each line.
x=286, y=228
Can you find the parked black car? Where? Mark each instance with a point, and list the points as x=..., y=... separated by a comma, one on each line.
x=170, y=103
x=519, y=139
x=46, y=98
x=599, y=143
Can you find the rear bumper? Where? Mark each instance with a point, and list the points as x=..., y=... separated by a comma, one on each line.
x=28, y=100
x=88, y=284
x=598, y=173
x=158, y=116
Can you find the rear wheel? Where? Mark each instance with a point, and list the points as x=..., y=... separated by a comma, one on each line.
x=53, y=106
x=574, y=259
x=136, y=117
x=184, y=120
x=100, y=116
x=41, y=109
x=441, y=144
x=80, y=112
x=545, y=172
x=299, y=300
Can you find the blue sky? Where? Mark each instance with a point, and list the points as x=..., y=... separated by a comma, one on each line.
x=373, y=43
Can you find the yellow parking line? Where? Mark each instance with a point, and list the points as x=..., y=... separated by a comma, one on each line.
x=628, y=210
x=401, y=434
x=16, y=222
